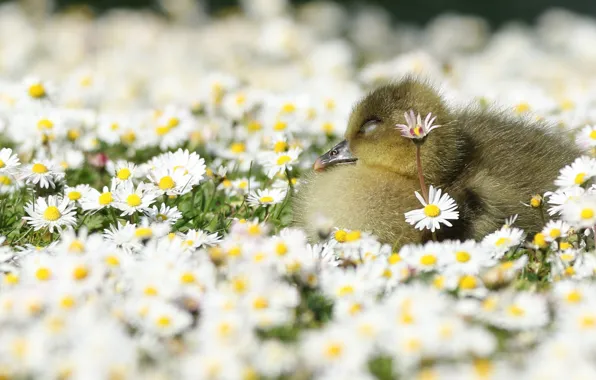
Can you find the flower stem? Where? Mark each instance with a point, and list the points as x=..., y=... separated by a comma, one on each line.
x=420, y=175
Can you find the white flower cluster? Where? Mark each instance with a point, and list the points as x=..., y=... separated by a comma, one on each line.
x=146, y=169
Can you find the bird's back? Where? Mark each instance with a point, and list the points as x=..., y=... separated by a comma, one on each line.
x=509, y=160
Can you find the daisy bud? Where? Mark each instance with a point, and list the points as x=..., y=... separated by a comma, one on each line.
x=540, y=240
x=536, y=201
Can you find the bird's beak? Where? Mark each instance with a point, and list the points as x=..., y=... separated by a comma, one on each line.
x=339, y=154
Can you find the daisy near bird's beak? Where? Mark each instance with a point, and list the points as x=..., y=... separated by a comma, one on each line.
x=339, y=154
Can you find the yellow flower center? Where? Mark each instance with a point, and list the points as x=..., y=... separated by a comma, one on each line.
x=112, y=260
x=133, y=200
x=76, y=246
x=238, y=147
x=162, y=130
x=105, y=198
x=163, y=321
x=150, y=291
x=502, y=241
x=2, y=164
x=462, y=256
x=39, y=168
x=334, y=350
x=329, y=104
x=123, y=174
x=281, y=249
x=235, y=251
x=37, y=91
x=345, y=290
x=327, y=127
x=52, y=213
x=522, y=107
x=80, y=273
x=45, y=124
x=43, y=274
x=516, y=311
x=11, y=279
x=254, y=126
x=86, y=81
x=239, y=285
x=280, y=126
x=483, y=368
x=580, y=178
x=353, y=236
x=432, y=211
x=394, y=258
x=567, y=257
x=564, y=245
x=240, y=99
x=418, y=130
x=281, y=160
x=144, y=232
x=467, y=282
x=588, y=321
x=574, y=296
x=67, y=302
x=187, y=278
x=288, y=108
x=540, y=240
x=166, y=183
x=74, y=195
x=341, y=235
x=5, y=180
x=428, y=260
x=555, y=233
x=260, y=303
x=173, y=122
x=128, y=137
x=266, y=199
x=593, y=134
x=587, y=213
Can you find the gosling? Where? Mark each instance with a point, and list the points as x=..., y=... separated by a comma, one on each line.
x=491, y=163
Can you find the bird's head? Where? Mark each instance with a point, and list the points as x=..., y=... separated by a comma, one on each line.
x=372, y=138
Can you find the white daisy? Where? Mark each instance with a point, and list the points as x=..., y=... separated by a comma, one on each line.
x=194, y=239
x=276, y=163
x=440, y=209
x=164, y=213
x=577, y=174
x=121, y=171
x=555, y=229
x=415, y=128
x=581, y=212
x=54, y=213
x=77, y=193
x=46, y=173
x=502, y=240
x=8, y=161
x=266, y=197
x=131, y=200
x=37, y=90
x=586, y=138
x=95, y=200
x=171, y=181
x=559, y=198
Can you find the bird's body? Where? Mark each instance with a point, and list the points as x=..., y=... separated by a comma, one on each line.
x=490, y=163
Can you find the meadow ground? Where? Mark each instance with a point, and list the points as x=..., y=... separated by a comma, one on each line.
x=147, y=169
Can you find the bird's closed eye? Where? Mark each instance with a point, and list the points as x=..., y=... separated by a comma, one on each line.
x=369, y=126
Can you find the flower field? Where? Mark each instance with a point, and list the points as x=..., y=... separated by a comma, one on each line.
x=148, y=168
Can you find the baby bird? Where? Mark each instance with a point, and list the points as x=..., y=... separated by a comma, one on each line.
x=489, y=162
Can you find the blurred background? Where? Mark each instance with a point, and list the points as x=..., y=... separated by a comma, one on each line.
x=419, y=12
